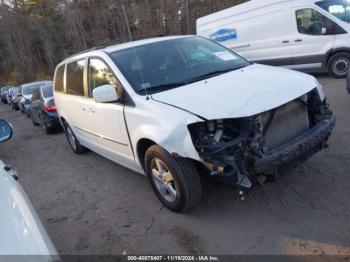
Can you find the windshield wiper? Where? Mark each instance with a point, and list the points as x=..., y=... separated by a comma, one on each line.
x=162, y=87
x=211, y=74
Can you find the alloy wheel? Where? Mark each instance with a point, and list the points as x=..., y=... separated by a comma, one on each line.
x=163, y=180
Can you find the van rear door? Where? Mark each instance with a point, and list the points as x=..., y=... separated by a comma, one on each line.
x=314, y=35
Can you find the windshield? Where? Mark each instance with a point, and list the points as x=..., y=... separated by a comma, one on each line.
x=47, y=91
x=28, y=89
x=172, y=63
x=338, y=8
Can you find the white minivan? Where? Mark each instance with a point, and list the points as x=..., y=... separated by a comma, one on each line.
x=177, y=108
x=298, y=34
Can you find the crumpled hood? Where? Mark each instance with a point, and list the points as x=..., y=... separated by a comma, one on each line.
x=241, y=93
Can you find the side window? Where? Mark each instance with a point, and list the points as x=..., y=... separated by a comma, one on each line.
x=311, y=22
x=100, y=74
x=59, y=87
x=75, y=78
x=36, y=95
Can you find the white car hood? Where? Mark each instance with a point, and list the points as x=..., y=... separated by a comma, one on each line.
x=241, y=93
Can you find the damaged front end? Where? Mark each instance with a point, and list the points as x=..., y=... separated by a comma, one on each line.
x=248, y=150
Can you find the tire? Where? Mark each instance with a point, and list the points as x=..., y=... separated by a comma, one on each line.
x=338, y=65
x=49, y=130
x=33, y=121
x=73, y=141
x=182, y=178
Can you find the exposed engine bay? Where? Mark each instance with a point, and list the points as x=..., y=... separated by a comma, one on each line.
x=249, y=150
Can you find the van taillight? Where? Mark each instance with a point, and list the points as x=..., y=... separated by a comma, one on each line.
x=50, y=107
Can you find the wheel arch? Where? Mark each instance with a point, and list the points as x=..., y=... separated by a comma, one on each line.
x=334, y=51
x=142, y=146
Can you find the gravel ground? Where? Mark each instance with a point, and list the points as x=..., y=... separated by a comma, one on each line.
x=90, y=205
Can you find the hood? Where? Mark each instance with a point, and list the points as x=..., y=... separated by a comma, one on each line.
x=241, y=93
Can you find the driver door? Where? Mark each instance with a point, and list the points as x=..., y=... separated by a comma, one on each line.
x=106, y=127
x=314, y=35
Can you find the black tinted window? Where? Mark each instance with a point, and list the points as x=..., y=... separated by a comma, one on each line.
x=75, y=78
x=311, y=22
x=59, y=79
x=47, y=91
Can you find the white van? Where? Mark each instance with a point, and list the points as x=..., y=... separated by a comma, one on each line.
x=177, y=108
x=298, y=34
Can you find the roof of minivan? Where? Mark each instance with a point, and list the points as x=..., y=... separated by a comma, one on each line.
x=115, y=47
x=241, y=8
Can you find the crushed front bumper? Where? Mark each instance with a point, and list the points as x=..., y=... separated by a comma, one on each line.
x=300, y=149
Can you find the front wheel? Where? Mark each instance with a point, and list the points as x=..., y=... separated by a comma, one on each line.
x=175, y=180
x=339, y=65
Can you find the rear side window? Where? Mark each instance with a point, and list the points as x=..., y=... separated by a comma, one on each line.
x=47, y=91
x=36, y=95
x=75, y=78
x=59, y=87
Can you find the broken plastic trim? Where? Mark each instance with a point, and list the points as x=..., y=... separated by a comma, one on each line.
x=236, y=149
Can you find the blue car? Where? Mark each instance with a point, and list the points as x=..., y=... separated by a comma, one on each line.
x=42, y=109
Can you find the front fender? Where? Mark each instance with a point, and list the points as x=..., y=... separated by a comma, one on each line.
x=167, y=128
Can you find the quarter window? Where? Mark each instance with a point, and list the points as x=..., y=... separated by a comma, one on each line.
x=311, y=22
x=100, y=74
x=59, y=87
x=75, y=78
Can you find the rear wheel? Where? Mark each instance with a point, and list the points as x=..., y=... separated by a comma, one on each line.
x=338, y=65
x=33, y=121
x=73, y=141
x=174, y=180
x=48, y=130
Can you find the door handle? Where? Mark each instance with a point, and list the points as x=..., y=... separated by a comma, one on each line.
x=91, y=110
x=241, y=46
x=285, y=42
x=298, y=40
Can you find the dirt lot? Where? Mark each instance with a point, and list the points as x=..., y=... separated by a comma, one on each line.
x=90, y=205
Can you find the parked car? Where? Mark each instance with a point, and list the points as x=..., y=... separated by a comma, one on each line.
x=22, y=233
x=15, y=101
x=168, y=106
x=27, y=92
x=348, y=83
x=42, y=109
x=3, y=94
x=298, y=34
x=12, y=97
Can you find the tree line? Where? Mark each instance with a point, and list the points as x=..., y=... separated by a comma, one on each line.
x=35, y=35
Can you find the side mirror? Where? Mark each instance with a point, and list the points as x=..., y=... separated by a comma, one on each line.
x=5, y=130
x=105, y=94
x=324, y=31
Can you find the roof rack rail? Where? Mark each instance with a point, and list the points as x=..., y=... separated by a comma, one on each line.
x=117, y=40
